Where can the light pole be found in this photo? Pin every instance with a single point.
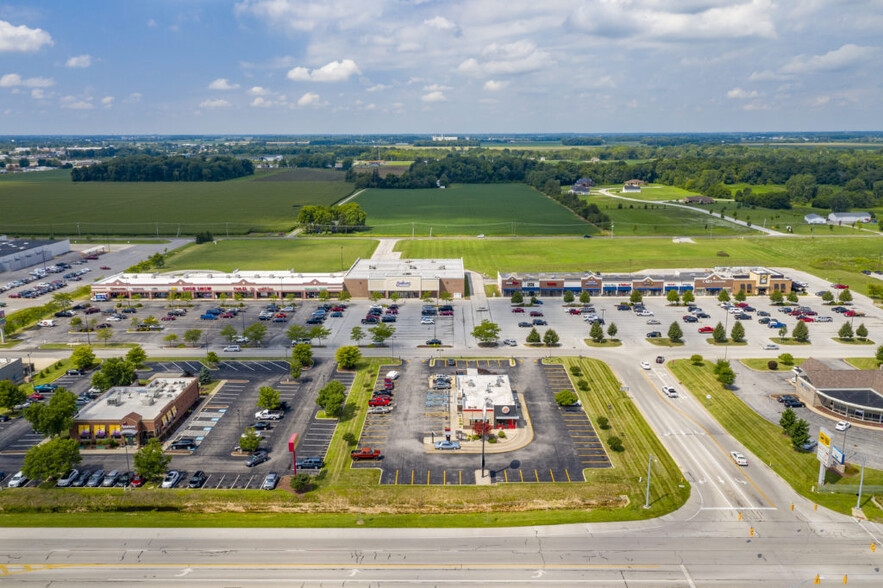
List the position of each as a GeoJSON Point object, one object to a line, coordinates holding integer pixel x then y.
{"type": "Point", "coordinates": [726, 335]}
{"type": "Point", "coordinates": [341, 258]}
{"type": "Point", "coordinates": [649, 473]}
{"type": "Point", "coordinates": [483, 432]}
{"type": "Point", "coordinates": [861, 484]}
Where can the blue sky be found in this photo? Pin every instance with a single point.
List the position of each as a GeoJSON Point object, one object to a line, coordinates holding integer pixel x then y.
{"type": "Point", "coordinates": [439, 66]}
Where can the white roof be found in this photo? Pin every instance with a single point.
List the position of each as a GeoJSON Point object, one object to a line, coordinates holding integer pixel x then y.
{"type": "Point", "coordinates": [148, 401]}
{"type": "Point", "coordinates": [258, 278]}
{"type": "Point", "coordinates": [849, 215]}
{"type": "Point", "coordinates": [425, 268]}
{"type": "Point", "coordinates": [475, 388]}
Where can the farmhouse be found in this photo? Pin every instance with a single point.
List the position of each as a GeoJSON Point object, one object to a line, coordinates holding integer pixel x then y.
{"type": "Point", "coordinates": [486, 396]}
{"type": "Point", "coordinates": [814, 219]}
{"type": "Point", "coordinates": [849, 217]}
{"type": "Point", "coordinates": [637, 183]}
{"type": "Point", "coordinates": [631, 188]}
{"type": "Point", "coordinates": [856, 394]}
{"type": "Point", "coordinates": [138, 412]}
{"type": "Point", "coordinates": [698, 200]}
{"type": "Point", "coordinates": [582, 186]}
{"type": "Point", "coordinates": [16, 254]}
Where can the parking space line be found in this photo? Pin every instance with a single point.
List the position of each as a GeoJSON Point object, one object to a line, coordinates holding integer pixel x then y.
{"type": "Point", "coordinates": [427, 476]}
{"type": "Point", "coordinates": [566, 473]}
{"type": "Point", "coordinates": [461, 477]}
{"type": "Point", "coordinates": [444, 477]}
{"type": "Point", "coordinates": [412, 477]}
{"type": "Point", "coordinates": [506, 475]}
{"type": "Point", "coordinates": [396, 483]}
{"type": "Point", "coordinates": [551, 474]}
{"type": "Point", "coordinates": [521, 473]}
{"type": "Point", "coordinates": [536, 475]}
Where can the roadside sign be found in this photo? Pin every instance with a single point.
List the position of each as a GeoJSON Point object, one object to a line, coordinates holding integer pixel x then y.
{"type": "Point", "coordinates": [823, 453]}
{"type": "Point", "coordinates": [2, 317]}
{"type": "Point", "coordinates": [837, 455]}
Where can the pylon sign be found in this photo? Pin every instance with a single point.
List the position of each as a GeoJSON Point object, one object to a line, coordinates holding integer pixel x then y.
{"type": "Point", "coordinates": [824, 450]}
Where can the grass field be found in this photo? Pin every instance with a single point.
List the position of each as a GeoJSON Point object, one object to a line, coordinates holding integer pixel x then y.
{"type": "Point", "coordinates": [47, 204]}
{"type": "Point", "coordinates": [658, 219]}
{"type": "Point", "coordinates": [768, 443]}
{"type": "Point", "coordinates": [780, 219]}
{"type": "Point", "coordinates": [654, 192]}
{"type": "Point", "coordinates": [761, 364]}
{"type": "Point", "coordinates": [304, 255]}
{"type": "Point", "coordinates": [473, 209]}
{"type": "Point", "coordinates": [834, 259]}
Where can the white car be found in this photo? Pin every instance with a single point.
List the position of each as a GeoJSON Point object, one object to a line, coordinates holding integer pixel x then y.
{"type": "Point", "coordinates": [241, 340]}
{"type": "Point", "coordinates": [842, 426]}
{"type": "Point", "coordinates": [427, 321]}
{"type": "Point", "coordinates": [770, 347]}
{"type": "Point", "coordinates": [18, 480]}
{"type": "Point", "coordinates": [392, 375]}
{"type": "Point", "coordinates": [232, 348]}
{"type": "Point", "coordinates": [653, 322]}
{"type": "Point", "coordinates": [113, 319]}
{"type": "Point", "coordinates": [645, 365]}
{"type": "Point", "coordinates": [670, 392]}
{"type": "Point", "coordinates": [288, 308]}
{"type": "Point", "coordinates": [171, 480]}
{"type": "Point", "coordinates": [824, 319]}
{"type": "Point", "coordinates": [645, 313]}
{"type": "Point", "coordinates": [510, 342]}
{"type": "Point", "coordinates": [739, 458]}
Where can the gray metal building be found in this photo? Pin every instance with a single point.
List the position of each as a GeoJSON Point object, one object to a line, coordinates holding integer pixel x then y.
{"type": "Point", "coordinates": [12, 369]}
{"type": "Point", "coordinates": [16, 254]}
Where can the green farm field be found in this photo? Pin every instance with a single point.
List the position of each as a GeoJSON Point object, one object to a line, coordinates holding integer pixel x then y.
{"type": "Point", "coordinates": [56, 205]}
{"type": "Point", "coordinates": [834, 258]}
{"type": "Point", "coordinates": [654, 218]}
{"type": "Point", "coordinates": [473, 209]}
{"type": "Point", "coordinates": [304, 255]}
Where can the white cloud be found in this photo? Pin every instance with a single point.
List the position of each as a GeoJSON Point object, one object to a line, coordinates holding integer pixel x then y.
{"type": "Point", "coordinates": [151, 23]}
{"type": "Point", "coordinates": [494, 85]}
{"type": "Point", "coordinates": [836, 60]}
{"type": "Point", "coordinates": [222, 84]}
{"type": "Point", "coordinates": [765, 76]}
{"type": "Point", "coordinates": [79, 61]}
{"type": "Point", "coordinates": [21, 38]}
{"type": "Point", "coordinates": [335, 71]}
{"type": "Point", "coordinates": [308, 99]}
{"type": "Point", "coordinates": [301, 16]}
{"type": "Point", "coordinates": [436, 88]}
{"type": "Point", "coordinates": [436, 96]}
{"type": "Point", "coordinates": [12, 80]}
{"type": "Point", "coordinates": [820, 101]}
{"type": "Point", "coordinates": [214, 104]}
{"type": "Point", "coordinates": [377, 88]}
{"type": "Point", "coordinates": [107, 101]}
{"type": "Point", "coordinates": [258, 91]}
{"type": "Point", "coordinates": [740, 94]}
{"type": "Point", "coordinates": [38, 94]}
{"type": "Point", "coordinates": [440, 23]}
{"type": "Point", "coordinates": [261, 102]}
{"type": "Point", "coordinates": [509, 58]}
{"type": "Point", "coordinates": [74, 103]}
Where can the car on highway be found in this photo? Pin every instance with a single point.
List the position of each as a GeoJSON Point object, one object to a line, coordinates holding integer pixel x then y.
{"type": "Point", "coordinates": [257, 458]}
{"type": "Point", "coordinates": [738, 458]}
{"type": "Point", "coordinates": [197, 480]}
{"type": "Point", "coordinates": [842, 425]}
{"type": "Point", "coordinates": [232, 348]}
{"type": "Point", "coordinates": [706, 330]}
{"type": "Point", "coordinates": [447, 444]}
{"type": "Point", "coordinates": [670, 392]}
{"type": "Point", "coordinates": [171, 480]}
{"type": "Point", "coordinates": [770, 347]}
{"type": "Point", "coordinates": [645, 365]}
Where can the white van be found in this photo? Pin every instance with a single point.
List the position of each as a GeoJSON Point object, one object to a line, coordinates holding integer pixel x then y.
{"type": "Point", "coordinates": [46, 323]}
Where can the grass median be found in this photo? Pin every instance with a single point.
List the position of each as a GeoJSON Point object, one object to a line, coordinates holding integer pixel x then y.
{"type": "Point", "coordinates": [767, 441]}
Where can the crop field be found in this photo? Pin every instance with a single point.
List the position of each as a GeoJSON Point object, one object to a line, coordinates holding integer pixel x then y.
{"type": "Point", "coordinates": [834, 258]}
{"type": "Point", "coordinates": [474, 209]}
{"type": "Point", "coordinates": [57, 206]}
{"type": "Point", "coordinates": [651, 218]}
{"type": "Point", "coordinates": [780, 220]}
{"type": "Point", "coordinates": [304, 255]}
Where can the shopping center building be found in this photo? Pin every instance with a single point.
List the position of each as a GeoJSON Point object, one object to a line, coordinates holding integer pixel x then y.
{"type": "Point", "coordinates": [854, 394]}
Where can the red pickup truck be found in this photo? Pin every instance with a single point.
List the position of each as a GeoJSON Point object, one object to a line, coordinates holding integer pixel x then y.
{"type": "Point", "coordinates": [365, 453]}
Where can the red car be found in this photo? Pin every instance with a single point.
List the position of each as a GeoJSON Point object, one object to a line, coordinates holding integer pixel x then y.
{"type": "Point", "coordinates": [278, 315]}
{"type": "Point", "coordinates": [849, 313]}
{"type": "Point", "coordinates": [536, 313]}
{"type": "Point", "coordinates": [518, 309]}
{"type": "Point", "coordinates": [807, 319]}
{"type": "Point", "coordinates": [230, 315]}
{"type": "Point", "coordinates": [338, 308]}
{"type": "Point", "coordinates": [365, 453]}
{"type": "Point", "coordinates": [35, 396]}
{"type": "Point", "coordinates": [706, 330]}
{"type": "Point", "coordinates": [105, 267]}
{"type": "Point", "coordinates": [378, 401]}
{"type": "Point", "coordinates": [840, 286]}
{"type": "Point", "coordinates": [167, 318]}
{"type": "Point", "coordinates": [138, 481]}
{"type": "Point", "coordinates": [741, 304]}
{"type": "Point", "coordinates": [446, 313]}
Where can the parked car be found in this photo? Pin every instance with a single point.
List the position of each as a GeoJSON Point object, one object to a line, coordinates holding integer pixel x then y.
{"type": "Point", "coordinates": [842, 426]}
{"type": "Point", "coordinates": [95, 479]}
{"type": "Point", "coordinates": [125, 479]}
{"type": "Point", "coordinates": [171, 480]}
{"type": "Point", "coordinates": [689, 318]}
{"type": "Point", "coordinates": [518, 309]}
{"type": "Point", "coordinates": [185, 443]}
{"type": "Point", "coordinates": [46, 388]}
{"type": "Point", "coordinates": [310, 463]}
{"type": "Point", "coordinates": [392, 375]}
{"type": "Point", "coordinates": [654, 322]}
{"type": "Point", "coordinates": [510, 342]}
{"type": "Point", "coordinates": [138, 481]}
{"type": "Point", "coordinates": [197, 480]}
{"type": "Point", "coordinates": [378, 401]}
{"type": "Point", "coordinates": [654, 334]}
{"type": "Point", "coordinates": [539, 322]}
{"type": "Point", "coordinates": [365, 453]}
{"type": "Point", "coordinates": [17, 481]}
{"type": "Point", "coordinates": [433, 342]}
{"type": "Point", "coordinates": [738, 458]}
{"type": "Point", "coordinates": [67, 479]}
{"type": "Point", "coordinates": [75, 372]}
{"type": "Point", "coordinates": [447, 444]}
{"type": "Point", "coordinates": [795, 403]}
{"type": "Point", "coordinates": [525, 324]}
{"type": "Point", "coordinates": [81, 479]}
{"type": "Point", "coordinates": [270, 481]}
{"type": "Point", "coordinates": [706, 330]}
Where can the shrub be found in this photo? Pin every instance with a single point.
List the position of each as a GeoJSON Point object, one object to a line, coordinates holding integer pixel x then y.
{"type": "Point", "coordinates": [566, 398]}
{"type": "Point", "coordinates": [301, 482]}
{"type": "Point", "coordinates": [582, 385]}
{"type": "Point", "coordinates": [771, 364]}
{"type": "Point", "coordinates": [722, 254]}
{"type": "Point", "coordinates": [696, 359]}
{"type": "Point", "coordinates": [575, 370]}
{"type": "Point", "coordinates": [786, 359]}
{"type": "Point", "coordinates": [615, 443]}
{"type": "Point", "coordinates": [491, 439]}
{"type": "Point", "coordinates": [350, 438]}
{"type": "Point", "coordinates": [603, 423]}
{"type": "Point", "coordinates": [501, 434]}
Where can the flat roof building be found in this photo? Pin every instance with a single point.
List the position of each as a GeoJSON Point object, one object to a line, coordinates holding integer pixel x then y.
{"type": "Point", "coordinates": [850, 217]}
{"type": "Point", "coordinates": [814, 219]}
{"type": "Point", "coordinates": [476, 391]}
{"type": "Point", "coordinates": [16, 254]}
{"type": "Point", "coordinates": [140, 412]}
{"type": "Point", "coordinates": [409, 278]}
{"type": "Point", "coordinates": [12, 369]}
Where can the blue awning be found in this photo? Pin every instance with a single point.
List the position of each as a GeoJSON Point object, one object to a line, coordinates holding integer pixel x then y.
{"type": "Point", "coordinates": [610, 287]}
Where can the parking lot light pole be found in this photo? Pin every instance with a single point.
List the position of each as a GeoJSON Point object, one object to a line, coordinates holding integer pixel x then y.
{"type": "Point", "coordinates": [861, 483]}
{"type": "Point", "coordinates": [649, 472]}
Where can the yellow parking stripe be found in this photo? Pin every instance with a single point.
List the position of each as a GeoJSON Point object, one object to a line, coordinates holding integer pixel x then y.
{"type": "Point", "coordinates": [551, 474]}
{"type": "Point", "coordinates": [566, 473]}
{"type": "Point", "coordinates": [397, 478]}
{"type": "Point", "coordinates": [506, 475]}
{"type": "Point", "coordinates": [521, 474]}
{"type": "Point", "coordinates": [536, 475]}
{"type": "Point", "coordinates": [412, 477]}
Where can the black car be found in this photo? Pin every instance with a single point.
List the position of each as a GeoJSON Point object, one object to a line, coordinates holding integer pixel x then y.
{"type": "Point", "coordinates": [186, 443]}
{"type": "Point", "coordinates": [525, 324]}
{"type": "Point", "coordinates": [318, 321]}
{"type": "Point", "coordinates": [623, 307]}
{"type": "Point", "coordinates": [75, 372]}
{"type": "Point", "coordinates": [794, 403]}
{"type": "Point", "coordinates": [762, 313]}
{"type": "Point", "coordinates": [742, 317]}
{"type": "Point", "coordinates": [124, 479]}
{"type": "Point", "coordinates": [128, 310]}
{"type": "Point", "coordinates": [451, 362]}
{"type": "Point", "coordinates": [389, 318]}
{"type": "Point", "coordinates": [689, 318]}
{"type": "Point", "coordinates": [310, 463]}
{"type": "Point", "coordinates": [256, 458]}
{"type": "Point", "coordinates": [654, 335]}
{"type": "Point", "coordinates": [539, 322]}
{"type": "Point", "coordinates": [197, 479]}
{"type": "Point", "coordinates": [261, 426]}
{"type": "Point", "coordinates": [63, 314]}
{"type": "Point", "coordinates": [764, 320]}
{"type": "Point", "coordinates": [434, 342]}
{"type": "Point", "coordinates": [81, 306]}
{"type": "Point", "coordinates": [703, 315]}
{"type": "Point", "coordinates": [785, 397]}
{"type": "Point", "coordinates": [368, 320]}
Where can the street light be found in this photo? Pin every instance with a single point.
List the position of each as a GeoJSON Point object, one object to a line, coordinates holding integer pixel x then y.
{"type": "Point", "coordinates": [484, 429]}
{"type": "Point", "coordinates": [649, 473]}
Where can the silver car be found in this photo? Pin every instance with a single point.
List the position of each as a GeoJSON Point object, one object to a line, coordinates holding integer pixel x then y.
{"type": "Point", "coordinates": [270, 481]}
{"type": "Point", "coordinates": [66, 480]}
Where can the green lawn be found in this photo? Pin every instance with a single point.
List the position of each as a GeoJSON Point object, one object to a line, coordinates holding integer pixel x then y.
{"type": "Point", "coordinates": [632, 218]}
{"type": "Point", "coordinates": [761, 364]}
{"type": "Point", "coordinates": [469, 209]}
{"type": "Point", "coordinates": [834, 259]}
{"type": "Point", "coordinates": [766, 441]}
{"type": "Point", "coordinates": [250, 204]}
{"type": "Point", "coordinates": [306, 255]}
{"type": "Point", "coordinates": [863, 363]}
{"type": "Point", "coordinates": [655, 192]}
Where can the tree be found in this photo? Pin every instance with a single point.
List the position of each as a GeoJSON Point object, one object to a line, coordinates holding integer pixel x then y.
{"type": "Point", "coordinates": [105, 335]}
{"type": "Point", "coordinates": [550, 338]}
{"type": "Point", "coordinates": [533, 336]}
{"type": "Point", "coordinates": [737, 333]}
{"type": "Point", "coordinates": [171, 339]}
{"type": "Point", "coordinates": [375, 296]}
{"type": "Point", "coordinates": [568, 297]}
{"type": "Point", "coordinates": [348, 357]}
{"type": "Point", "coordinates": [268, 398]}
{"type": "Point", "coordinates": [879, 354]}
{"type": "Point", "coordinates": [319, 332]}
{"type": "Point", "coordinates": [331, 398]}
{"type": "Point", "coordinates": [615, 443]}
{"type": "Point", "coordinates": [566, 398]}
{"type": "Point", "coordinates": [229, 332]}
{"type": "Point", "coordinates": [786, 359]}
{"type": "Point", "coordinates": [51, 459]}
{"type": "Point", "coordinates": [446, 296]}
{"type": "Point", "coordinates": [793, 297]}
{"type": "Point", "coordinates": [249, 441]}
{"type": "Point", "coordinates": [673, 297]}
{"type": "Point", "coordinates": [800, 332]}
{"type": "Point", "coordinates": [801, 187]}
{"type": "Point", "coordinates": [783, 331]}
{"type": "Point", "coordinates": [636, 297]}
{"type": "Point", "coordinates": [799, 433]}
{"type": "Point", "coordinates": [719, 334]}
{"type": "Point", "coordinates": [845, 331]}
{"type": "Point", "coordinates": [776, 297]}
{"type": "Point", "coordinates": [724, 373]}
{"type": "Point", "coordinates": [827, 296]}
{"type": "Point", "coordinates": [357, 334]}
{"type": "Point", "coordinates": [11, 395]}
{"type": "Point", "coordinates": [324, 295]}
{"type": "Point", "coordinates": [596, 332]}
{"type": "Point", "coordinates": [585, 297]}
{"type": "Point", "coordinates": [83, 358]}
{"type": "Point", "coordinates": [517, 298]}
{"type": "Point", "coordinates": [55, 416]}
{"type": "Point", "coordinates": [426, 297]}
{"type": "Point", "coordinates": [256, 332]}
{"type": "Point", "coordinates": [296, 332]}
{"type": "Point", "coordinates": [114, 371]}
{"type": "Point", "coordinates": [688, 297]}
{"type": "Point", "coordinates": [302, 354]}
{"type": "Point", "coordinates": [136, 356]}
{"type": "Point", "coordinates": [381, 332]}
{"type": "Point", "coordinates": [696, 359]}
{"type": "Point", "coordinates": [862, 332]}
{"type": "Point", "coordinates": [205, 376]}
{"type": "Point", "coordinates": [845, 295]}
{"type": "Point", "coordinates": [788, 419]}
{"type": "Point", "coordinates": [603, 422]}
{"type": "Point", "coordinates": [486, 332]}
{"type": "Point", "coordinates": [192, 336]}
{"type": "Point", "coordinates": [212, 358]}
{"type": "Point", "coordinates": [740, 296]}
{"type": "Point", "coordinates": [301, 482]}
{"type": "Point", "coordinates": [63, 299]}
{"type": "Point", "coordinates": [295, 370]}
{"type": "Point", "coordinates": [723, 296]}
{"type": "Point", "coordinates": [675, 334]}
{"type": "Point", "coordinates": [481, 428]}
{"type": "Point", "coordinates": [612, 330]}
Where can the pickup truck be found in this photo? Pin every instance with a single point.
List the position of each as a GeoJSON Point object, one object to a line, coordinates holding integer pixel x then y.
{"type": "Point", "coordinates": [269, 415]}
{"type": "Point", "coordinates": [365, 453]}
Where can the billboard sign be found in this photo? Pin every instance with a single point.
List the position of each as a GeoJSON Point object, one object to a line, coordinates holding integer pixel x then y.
{"type": "Point", "coordinates": [2, 317]}
{"type": "Point", "coordinates": [824, 449]}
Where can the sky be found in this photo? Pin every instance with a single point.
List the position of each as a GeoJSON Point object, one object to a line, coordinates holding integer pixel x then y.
{"type": "Point", "coordinates": [439, 66]}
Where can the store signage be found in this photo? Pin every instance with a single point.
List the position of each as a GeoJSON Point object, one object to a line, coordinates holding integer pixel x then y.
{"type": "Point", "coordinates": [403, 284]}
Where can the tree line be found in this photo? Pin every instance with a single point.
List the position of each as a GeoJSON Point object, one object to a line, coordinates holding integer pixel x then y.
{"type": "Point", "coordinates": [332, 219]}
{"type": "Point", "coordinates": [145, 168]}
